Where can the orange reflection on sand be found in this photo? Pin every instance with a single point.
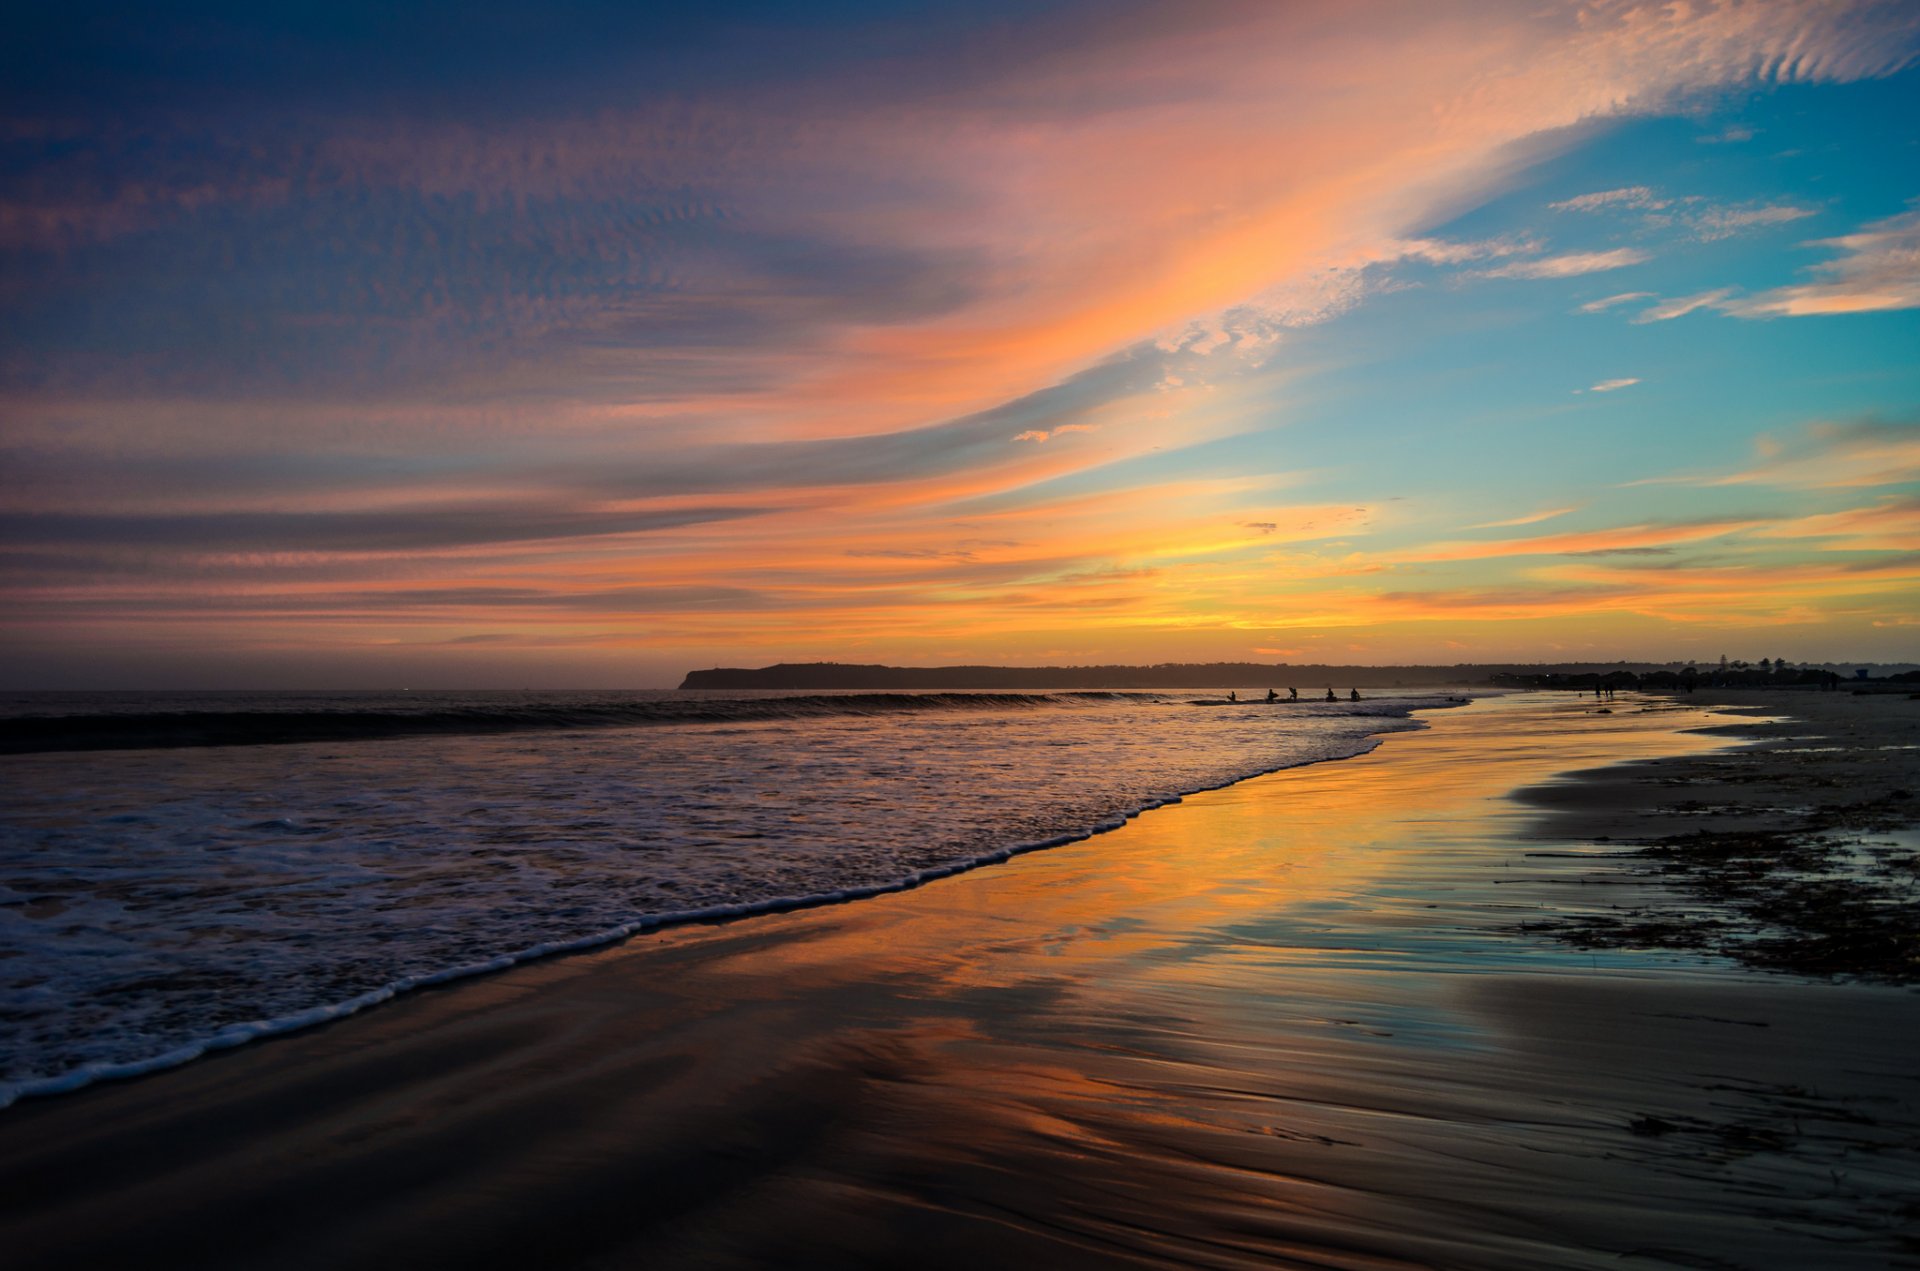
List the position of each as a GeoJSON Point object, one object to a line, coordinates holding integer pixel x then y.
{"type": "Point", "coordinates": [1198, 1013]}
{"type": "Point", "coordinates": [1174, 894]}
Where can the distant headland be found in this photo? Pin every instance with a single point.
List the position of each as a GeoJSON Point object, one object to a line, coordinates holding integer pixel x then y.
{"type": "Point", "coordinates": [818, 676]}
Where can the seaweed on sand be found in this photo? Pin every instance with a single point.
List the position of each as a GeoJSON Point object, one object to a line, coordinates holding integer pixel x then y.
{"type": "Point", "coordinates": [1820, 898]}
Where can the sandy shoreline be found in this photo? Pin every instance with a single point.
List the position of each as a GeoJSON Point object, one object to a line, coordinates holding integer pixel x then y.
{"type": "Point", "coordinates": [1795, 852]}
{"type": "Point", "coordinates": [1287, 1023]}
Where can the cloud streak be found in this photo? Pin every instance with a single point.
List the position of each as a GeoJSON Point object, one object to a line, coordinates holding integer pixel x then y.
{"type": "Point", "coordinates": [1680, 307]}
{"type": "Point", "coordinates": [1637, 197]}
{"type": "Point", "coordinates": [1571, 264]}
{"type": "Point", "coordinates": [1531, 518]}
{"type": "Point", "coordinates": [1878, 269]}
{"type": "Point", "coordinates": [1608, 302]}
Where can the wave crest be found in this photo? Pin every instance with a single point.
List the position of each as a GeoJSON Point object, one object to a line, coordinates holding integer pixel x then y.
{"type": "Point", "coordinates": [160, 730]}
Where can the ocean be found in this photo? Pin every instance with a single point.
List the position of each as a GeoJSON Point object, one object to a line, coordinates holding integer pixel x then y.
{"type": "Point", "coordinates": [181, 872]}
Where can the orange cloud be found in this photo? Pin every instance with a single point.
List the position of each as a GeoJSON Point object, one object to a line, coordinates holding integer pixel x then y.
{"type": "Point", "coordinates": [1890, 526]}
{"type": "Point", "coordinates": [1531, 518]}
{"type": "Point", "coordinates": [1826, 456]}
{"type": "Point", "coordinates": [1586, 542]}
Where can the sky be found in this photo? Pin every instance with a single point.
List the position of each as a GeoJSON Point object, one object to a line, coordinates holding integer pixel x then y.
{"type": "Point", "coordinates": [582, 344]}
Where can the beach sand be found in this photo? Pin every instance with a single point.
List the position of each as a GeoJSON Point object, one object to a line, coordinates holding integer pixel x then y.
{"type": "Point", "coordinates": [1291, 1023]}
{"type": "Point", "coordinates": [1795, 852]}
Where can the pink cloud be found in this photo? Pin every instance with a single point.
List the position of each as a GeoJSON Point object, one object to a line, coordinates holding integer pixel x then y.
{"type": "Point", "coordinates": [1571, 264]}
{"type": "Point", "coordinates": [1879, 269]}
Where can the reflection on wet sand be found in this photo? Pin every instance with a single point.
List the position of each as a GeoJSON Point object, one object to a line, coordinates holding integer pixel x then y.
{"type": "Point", "coordinates": [1283, 1024]}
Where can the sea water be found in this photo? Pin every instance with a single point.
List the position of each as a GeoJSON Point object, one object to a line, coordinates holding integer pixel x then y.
{"type": "Point", "coordinates": [163, 898]}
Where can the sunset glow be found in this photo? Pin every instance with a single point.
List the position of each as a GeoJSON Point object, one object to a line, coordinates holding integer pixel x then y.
{"type": "Point", "coordinates": [482, 348]}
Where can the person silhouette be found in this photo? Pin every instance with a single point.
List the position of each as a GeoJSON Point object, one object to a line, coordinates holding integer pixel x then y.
{"type": "Point", "coordinates": [1330, 696]}
{"type": "Point", "coordinates": [1272, 696]}
{"type": "Point", "coordinates": [1232, 696]}
{"type": "Point", "coordinates": [1293, 695]}
{"type": "Point", "coordinates": [1353, 694]}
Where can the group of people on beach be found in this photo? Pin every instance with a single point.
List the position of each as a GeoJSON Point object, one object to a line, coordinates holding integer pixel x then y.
{"type": "Point", "coordinates": [1293, 695]}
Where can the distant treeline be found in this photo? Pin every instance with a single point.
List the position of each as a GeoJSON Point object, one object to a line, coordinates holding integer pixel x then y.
{"type": "Point", "coordinates": [819, 676]}
{"type": "Point", "coordinates": [1690, 677]}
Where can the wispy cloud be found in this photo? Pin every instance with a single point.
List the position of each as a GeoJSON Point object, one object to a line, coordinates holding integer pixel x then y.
{"type": "Point", "coordinates": [1590, 542]}
{"type": "Point", "coordinates": [1532, 518]}
{"type": "Point", "coordinates": [1571, 264]}
{"type": "Point", "coordinates": [1695, 217]}
{"type": "Point", "coordinates": [1879, 269]}
{"type": "Point", "coordinates": [1608, 302]}
{"type": "Point", "coordinates": [1891, 525]}
{"type": "Point", "coordinates": [1667, 310]}
{"type": "Point", "coordinates": [1632, 196]}
{"type": "Point", "coordinates": [1442, 252]}
{"type": "Point", "coordinates": [1825, 456]}
{"type": "Point", "coordinates": [1715, 223]}
{"type": "Point", "coordinates": [1047, 434]}
{"type": "Point", "coordinates": [1608, 386]}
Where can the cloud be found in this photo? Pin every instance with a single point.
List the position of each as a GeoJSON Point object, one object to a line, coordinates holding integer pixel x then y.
{"type": "Point", "coordinates": [1838, 456]}
{"type": "Point", "coordinates": [1608, 386]}
{"type": "Point", "coordinates": [1345, 280]}
{"type": "Point", "coordinates": [1823, 456]}
{"type": "Point", "coordinates": [1715, 223]}
{"type": "Point", "coordinates": [1624, 551]}
{"type": "Point", "coordinates": [1045, 434]}
{"type": "Point", "coordinates": [1702, 221]}
{"type": "Point", "coordinates": [1730, 135]}
{"type": "Point", "coordinates": [1879, 270]}
{"type": "Point", "coordinates": [1632, 196]}
{"type": "Point", "coordinates": [1533, 518]}
{"type": "Point", "coordinates": [1570, 265]}
{"type": "Point", "coordinates": [1607, 302]}
{"type": "Point", "coordinates": [1891, 525]}
{"type": "Point", "coordinates": [1589, 542]}
{"type": "Point", "coordinates": [589, 234]}
{"type": "Point", "coordinates": [1667, 310]}
{"type": "Point", "coordinates": [410, 530]}
{"type": "Point", "coordinates": [1436, 251]}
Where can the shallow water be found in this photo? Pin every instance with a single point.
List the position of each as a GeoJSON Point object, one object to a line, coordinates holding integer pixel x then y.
{"type": "Point", "coordinates": [157, 901]}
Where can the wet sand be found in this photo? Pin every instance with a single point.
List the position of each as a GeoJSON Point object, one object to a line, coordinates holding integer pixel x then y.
{"type": "Point", "coordinates": [1799, 851]}
{"type": "Point", "coordinates": [1289, 1023]}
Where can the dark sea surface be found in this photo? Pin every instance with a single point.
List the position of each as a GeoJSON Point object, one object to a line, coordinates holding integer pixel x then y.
{"type": "Point", "coordinates": [181, 872]}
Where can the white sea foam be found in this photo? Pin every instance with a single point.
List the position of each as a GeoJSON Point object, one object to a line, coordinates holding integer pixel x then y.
{"type": "Point", "coordinates": [158, 905]}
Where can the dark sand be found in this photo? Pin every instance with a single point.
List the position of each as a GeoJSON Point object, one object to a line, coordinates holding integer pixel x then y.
{"type": "Point", "coordinates": [1285, 1024]}
{"type": "Point", "coordinates": [1795, 853]}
